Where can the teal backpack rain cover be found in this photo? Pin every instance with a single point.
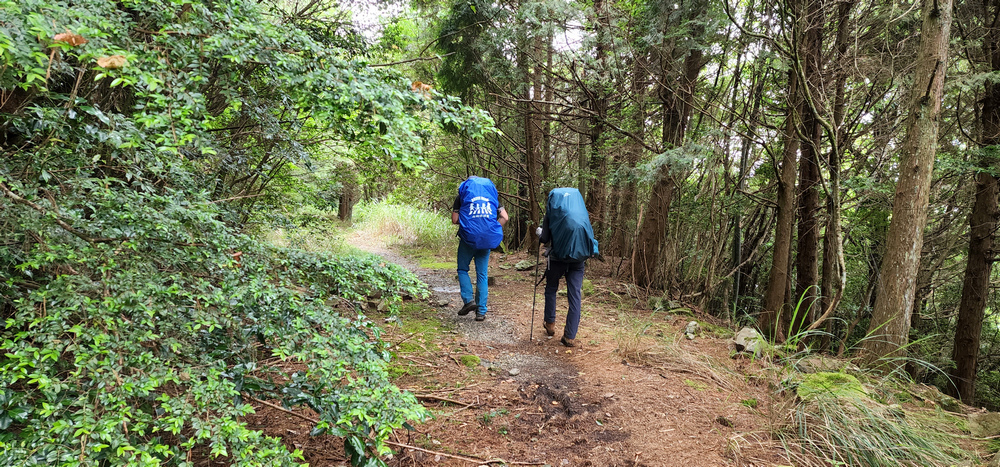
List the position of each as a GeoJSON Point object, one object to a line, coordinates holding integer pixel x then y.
{"type": "Point", "coordinates": [477, 218]}
{"type": "Point", "coordinates": [569, 226]}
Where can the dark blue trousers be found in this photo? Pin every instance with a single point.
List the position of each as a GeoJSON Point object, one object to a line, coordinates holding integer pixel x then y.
{"type": "Point", "coordinates": [574, 285]}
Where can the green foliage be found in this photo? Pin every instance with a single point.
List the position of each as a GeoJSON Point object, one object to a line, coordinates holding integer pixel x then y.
{"type": "Point", "coordinates": [136, 138]}
{"type": "Point", "coordinates": [140, 364]}
{"type": "Point", "coordinates": [487, 417]}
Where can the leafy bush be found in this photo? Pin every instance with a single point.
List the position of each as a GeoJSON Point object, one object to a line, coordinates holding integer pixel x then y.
{"type": "Point", "coordinates": [145, 365]}
{"type": "Point", "coordinates": [135, 138]}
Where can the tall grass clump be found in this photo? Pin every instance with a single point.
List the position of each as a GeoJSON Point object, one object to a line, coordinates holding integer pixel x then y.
{"type": "Point", "coordinates": [840, 414]}
{"type": "Point", "coordinates": [404, 225]}
{"type": "Point", "coordinates": [828, 430]}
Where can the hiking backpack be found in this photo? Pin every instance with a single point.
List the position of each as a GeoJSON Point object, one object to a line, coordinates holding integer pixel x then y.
{"type": "Point", "coordinates": [477, 217]}
{"type": "Point", "coordinates": [569, 226]}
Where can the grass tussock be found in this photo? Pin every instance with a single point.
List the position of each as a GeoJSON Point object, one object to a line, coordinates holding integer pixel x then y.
{"type": "Point", "coordinates": [310, 240]}
{"type": "Point", "coordinates": [837, 431]}
{"type": "Point", "coordinates": [402, 225]}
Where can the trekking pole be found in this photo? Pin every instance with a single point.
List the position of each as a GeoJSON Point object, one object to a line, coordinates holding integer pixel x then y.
{"type": "Point", "coordinates": [534, 295]}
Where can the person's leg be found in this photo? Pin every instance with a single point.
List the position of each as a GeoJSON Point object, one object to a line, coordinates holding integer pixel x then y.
{"type": "Point", "coordinates": [574, 287]}
{"type": "Point", "coordinates": [465, 254]}
{"type": "Point", "coordinates": [552, 274]}
{"type": "Point", "coordinates": [482, 278]}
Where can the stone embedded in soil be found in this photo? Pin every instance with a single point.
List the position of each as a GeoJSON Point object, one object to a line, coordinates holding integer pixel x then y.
{"type": "Point", "coordinates": [748, 341]}
{"type": "Point", "coordinates": [514, 371]}
{"type": "Point", "coordinates": [984, 425]}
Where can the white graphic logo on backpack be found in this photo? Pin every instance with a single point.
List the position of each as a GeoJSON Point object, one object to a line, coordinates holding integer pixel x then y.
{"type": "Point", "coordinates": [480, 207]}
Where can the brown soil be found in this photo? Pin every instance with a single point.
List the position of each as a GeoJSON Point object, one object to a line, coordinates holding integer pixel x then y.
{"type": "Point", "coordinates": [634, 392]}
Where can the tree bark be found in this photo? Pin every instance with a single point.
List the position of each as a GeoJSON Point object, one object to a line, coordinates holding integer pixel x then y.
{"type": "Point", "coordinates": [778, 280]}
{"type": "Point", "coordinates": [627, 200]}
{"type": "Point", "coordinates": [890, 325]}
{"type": "Point", "coordinates": [982, 225]}
{"type": "Point", "coordinates": [676, 113]}
{"type": "Point", "coordinates": [348, 198]}
{"type": "Point", "coordinates": [807, 258]}
{"type": "Point", "coordinates": [833, 269]}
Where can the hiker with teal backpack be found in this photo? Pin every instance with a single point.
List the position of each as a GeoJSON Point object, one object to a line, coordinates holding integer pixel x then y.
{"type": "Point", "coordinates": [567, 227]}
{"type": "Point", "coordinates": [480, 219]}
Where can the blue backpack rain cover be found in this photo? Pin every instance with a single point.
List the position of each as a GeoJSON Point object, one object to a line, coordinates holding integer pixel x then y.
{"type": "Point", "coordinates": [569, 226]}
{"type": "Point", "coordinates": [477, 218]}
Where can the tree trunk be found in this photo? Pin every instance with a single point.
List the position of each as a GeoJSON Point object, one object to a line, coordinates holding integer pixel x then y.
{"type": "Point", "coordinates": [348, 198]}
{"type": "Point", "coordinates": [982, 225]}
{"type": "Point", "coordinates": [807, 258]}
{"type": "Point", "coordinates": [834, 273]}
{"type": "Point", "coordinates": [890, 325]}
{"type": "Point", "coordinates": [633, 154]}
{"type": "Point", "coordinates": [596, 191]}
{"type": "Point", "coordinates": [535, 139]}
{"type": "Point", "coordinates": [778, 282]}
{"type": "Point", "coordinates": [741, 277]}
{"type": "Point", "coordinates": [676, 112]}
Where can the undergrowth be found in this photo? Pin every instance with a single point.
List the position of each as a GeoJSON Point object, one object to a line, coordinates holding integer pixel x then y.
{"type": "Point", "coordinates": [850, 431]}
{"type": "Point", "coordinates": [140, 365]}
{"type": "Point", "coordinates": [407, 226]}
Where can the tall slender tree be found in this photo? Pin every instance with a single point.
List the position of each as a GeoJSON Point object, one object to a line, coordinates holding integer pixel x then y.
{"type": "Point", "coordinates": [680, 64]}
{"type": "Point", "coordinates": [983, 220]}
{"type": "Point", "coordinates": [890, 324]}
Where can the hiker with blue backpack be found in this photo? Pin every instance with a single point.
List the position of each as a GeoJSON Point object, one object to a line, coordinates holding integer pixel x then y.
{"type": "Point", "coordinates": [567, 227]}
{"type": "Point", "coordinates": [480, 219]}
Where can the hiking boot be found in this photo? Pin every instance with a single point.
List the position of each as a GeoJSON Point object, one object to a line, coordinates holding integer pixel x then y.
{"type": "Point", "coordinates": [480, 317]}
{"type": "Point", "coordinates": [550, 328]}
{"type": "Point", "coordinates": [467, 308]}
{"type": "Point", "coordinates": [568, 342]}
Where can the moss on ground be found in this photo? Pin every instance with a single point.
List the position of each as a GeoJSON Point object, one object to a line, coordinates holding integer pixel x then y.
{"type": "Point", "coordinates": [839, 385]}
{"type": "Point", "coordinates": [470, 361]}
{"type": "Point", "coordinates": [437, 265]}
{"type": "Point", "coordinates": [715, 331]}
{"type": "Point", "coordinates": [419, 332]}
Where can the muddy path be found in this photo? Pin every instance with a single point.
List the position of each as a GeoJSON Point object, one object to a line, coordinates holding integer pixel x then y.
{"type": "Point", "coordinates": [535, 402]}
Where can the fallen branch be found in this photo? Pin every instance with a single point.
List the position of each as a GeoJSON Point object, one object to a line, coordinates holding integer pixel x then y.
{"type": "Point", "coordinates": [463, 458]}
{"type": "Point", "coordinates": [19, 200]}
{"type": "Point", "coordinates": [442, 399]}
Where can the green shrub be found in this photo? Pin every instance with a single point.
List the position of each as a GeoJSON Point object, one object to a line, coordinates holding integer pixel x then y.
{"type": "Point", "coordinates": [145, 363]}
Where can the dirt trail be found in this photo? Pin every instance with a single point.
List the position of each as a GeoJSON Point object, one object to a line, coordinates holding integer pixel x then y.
{"type": "Point", "coordinates": [539, 403]}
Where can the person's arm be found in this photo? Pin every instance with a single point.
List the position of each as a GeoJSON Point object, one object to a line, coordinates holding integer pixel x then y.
{"type": "Point", "coordinates": [454, 217]}
{"type": "Point", "coordinates": [545, 236]}
{"type": "Point", "coordinates": [502, 216]}
{"type": "Point", "coordinates": [454, 210]}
